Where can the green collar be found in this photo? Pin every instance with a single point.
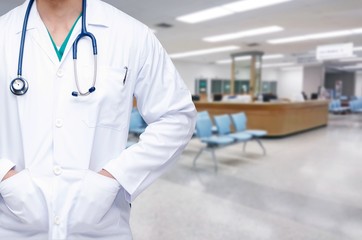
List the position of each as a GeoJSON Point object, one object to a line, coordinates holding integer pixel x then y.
{"type": "Point", "coordinates": [61, 50]}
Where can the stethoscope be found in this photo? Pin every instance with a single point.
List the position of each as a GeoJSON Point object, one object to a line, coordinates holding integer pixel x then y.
{"type": "Point", "coordinates": [19, 86]}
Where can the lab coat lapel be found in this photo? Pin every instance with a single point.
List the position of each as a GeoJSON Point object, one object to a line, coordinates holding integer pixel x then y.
{"type": "Point", "coordinates": [37, 30]}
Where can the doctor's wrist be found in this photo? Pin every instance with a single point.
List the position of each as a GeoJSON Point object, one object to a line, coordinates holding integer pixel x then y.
{"type": "Point", "coordinates": [106, 174]}
{"type": "Point", "coordinates": [9, 174]}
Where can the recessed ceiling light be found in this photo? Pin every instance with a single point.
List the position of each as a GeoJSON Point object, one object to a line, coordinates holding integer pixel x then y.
{"type": "Point", "coordinates": [352, 67]}
{"type": "Point", "coordinates": [247, 5]}
{"type": "Point", "coordinates": [317, 36]}
{"type": "Point", "coordinates": [247, 58]}
{"type": "Point", "coordinates": [204, 15]}
{"type": "Point", "coordinates": [227, 9]}
{"type": "Point", "coordinates": [243, 34]}
{"type": "Point", "coordinates": [276, 65]}
{"type": "Point", "coordinates": [354, 59]}
{"type": "Point", "coordinates": [238, 59]}
{"type": "Point", "coordinates": [203, 52]}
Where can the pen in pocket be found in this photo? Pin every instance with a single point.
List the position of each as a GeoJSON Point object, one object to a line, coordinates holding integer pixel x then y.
{"type": "Point", "coordinates": [125, 75]}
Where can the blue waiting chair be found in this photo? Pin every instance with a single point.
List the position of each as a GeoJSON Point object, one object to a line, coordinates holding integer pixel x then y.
{"type": "Point", "coordinates": [204, 133]}
{"type": "Point", "coordinates": [137, 124]}
{"type": "Point", "coordinates": [223, 125]}
{"type": "Point", "coordinates": [356, 106]}
{"type": "Point", "coordinates": [205, 114]}
{"type": "Point", "coordinates": [240, 123]}
{"type": "Point", "coordinates": [335, 106]}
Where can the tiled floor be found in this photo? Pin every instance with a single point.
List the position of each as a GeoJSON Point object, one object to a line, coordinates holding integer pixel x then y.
{"type": "Point", "coordinates": [308, 187]}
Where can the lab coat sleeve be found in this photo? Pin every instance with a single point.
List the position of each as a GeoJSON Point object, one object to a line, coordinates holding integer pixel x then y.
{"type": "Point", "coordinates": [5, 166]}
{"type": "Point", "coordinates": [165, 104]}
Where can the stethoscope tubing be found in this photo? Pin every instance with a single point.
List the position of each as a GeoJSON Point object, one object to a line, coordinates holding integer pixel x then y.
{"type": "Point", "coordinates": [84, 33]}
{"type": "Point", "coordinates": [22, 42]}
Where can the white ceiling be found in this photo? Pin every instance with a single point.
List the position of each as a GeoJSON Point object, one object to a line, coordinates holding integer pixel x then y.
{"type": "Point", "coordinates": [298, 17]}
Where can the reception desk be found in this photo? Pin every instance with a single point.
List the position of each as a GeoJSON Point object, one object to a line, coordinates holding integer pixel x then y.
{"type": "Point", "coordinates": [279, 119]}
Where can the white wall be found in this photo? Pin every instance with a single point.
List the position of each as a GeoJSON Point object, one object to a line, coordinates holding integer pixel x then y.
{"type": "Point", "coordinates": [358, 85]}
{"type": "Point", "coordinates": [270, 74]}
{"type": "Point", "coordinates": [190, 71]}
{"type": "Point", "coordinates": [290, 84]}
{"type": "Point", "coordinates": [313, 77]}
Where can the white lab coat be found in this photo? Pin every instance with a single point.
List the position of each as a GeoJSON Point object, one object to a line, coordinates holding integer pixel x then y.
{"type": "Point", "coordinates": [58, 142]}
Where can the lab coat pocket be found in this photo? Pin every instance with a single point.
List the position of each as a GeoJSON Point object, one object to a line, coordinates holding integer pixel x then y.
{"type": "Point", "coordinates": [25, 200]}
{"type": "Point", "coordinates": [106, 106]}
{"type": "Point", "coordinates": [95, 198]}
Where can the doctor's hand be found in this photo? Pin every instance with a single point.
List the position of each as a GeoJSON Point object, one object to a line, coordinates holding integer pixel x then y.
{"type": "Point", "coordinates": [106, 173]}
{"type": "Point", "coordinates": [9, 174]}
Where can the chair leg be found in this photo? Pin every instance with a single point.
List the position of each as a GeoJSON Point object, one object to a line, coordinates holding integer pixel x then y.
{"type": "Point", "coordinates": [197, 156]}
{"type": "Point", "coordinates": [214, 159]}
{"type": "Point", "coordinates": [261, 145]}
{"type": "Point", "coordinates": [244, 147]}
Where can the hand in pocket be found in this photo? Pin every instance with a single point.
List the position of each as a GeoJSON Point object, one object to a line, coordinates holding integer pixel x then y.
{"type": "Point", "coordinates": [95, 198]}
{"type": "Point", "coordinates": [25, 200]}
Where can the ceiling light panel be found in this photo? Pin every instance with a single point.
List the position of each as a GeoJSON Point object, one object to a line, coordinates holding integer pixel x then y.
{"type": "Point", "coordinates": [247, 58]}
{"type": "Point", "coordinates": [276, 65]}
{"type": "Point", "coordinates": [203, 52]}
{"type": "Point", "coordinates": [352, 67]}
{"type": "Point", "coordinates": [247, 5]}
{"type": "Point", "coordinates": [204, 15]}
{"type": "Point", "coordinates": [355, 59]}
{"type": "Point", "coordinates": [243, 34]}
{"type": "Point", "coordinates": [227, 9]}
{"type": "Point", "coordinates": [317, 36]}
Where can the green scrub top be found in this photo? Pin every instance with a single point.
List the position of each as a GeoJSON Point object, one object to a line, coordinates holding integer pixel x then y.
{"type": "Point", "coordinates": [61, 50]}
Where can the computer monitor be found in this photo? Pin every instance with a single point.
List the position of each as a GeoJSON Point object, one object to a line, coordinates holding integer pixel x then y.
{"type": "Point", "coordinates": [217, 97]}
{"type": "Point", "coordinates": [195, 98]}
{"type": "Point", "coordinates": [269, 96]}
{"type": "Point", "coordinates": [314, 96]}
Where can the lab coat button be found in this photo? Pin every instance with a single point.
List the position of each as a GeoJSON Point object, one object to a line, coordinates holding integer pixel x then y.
{"type": "Point", "coordinates": [59, 123]}
{"type": "Point", "coordinates": [57, 170]}
{"type": "Point", "coordinates": [60, 73]}
{"type": "Point", "coordinates": [57, 220]}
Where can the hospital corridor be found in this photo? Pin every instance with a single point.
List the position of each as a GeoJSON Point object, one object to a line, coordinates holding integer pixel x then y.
{"type": "Point", "coordinates": [307, 187]}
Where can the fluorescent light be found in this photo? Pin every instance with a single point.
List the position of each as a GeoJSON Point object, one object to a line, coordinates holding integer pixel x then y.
{"type": "Point", "coordinates": [238, 59]}
{"type": "Point", "coordinates": [247, 58]}
{"type": "Point", "coordinates": [276, 65]}
{"type": "Point", "coordinates": [317, 36]}
{"type": "Point", "coordinates": [356, 49]}
{"type": "Point", "coordinates": [204, 15]}
{"type": "Point", "coordinates": [243, 34]}
{"type": "Point", "coordinates": [352, 67]}
{"type": "Point", "coordinates": [355, 59]}
{"type": "Point", "coordinates": [227, 9]}
{"type": "Point", "coordinates": [273, 56]}
{"type": "Point", "coordinates": [247, 5]}
{"type": "Point", "coordinates": [203, 52]}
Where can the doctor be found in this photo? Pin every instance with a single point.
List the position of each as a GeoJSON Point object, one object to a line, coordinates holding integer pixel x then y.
{"type": "Point", "coordinates": [65, 114]}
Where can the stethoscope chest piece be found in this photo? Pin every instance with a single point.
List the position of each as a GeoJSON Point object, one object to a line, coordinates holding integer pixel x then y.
{"type": "Point", "coordinates": [19, 86]}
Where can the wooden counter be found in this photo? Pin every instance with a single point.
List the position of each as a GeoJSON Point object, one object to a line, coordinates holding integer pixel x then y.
{"type": "Point", "coordinates": [279, 119]}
